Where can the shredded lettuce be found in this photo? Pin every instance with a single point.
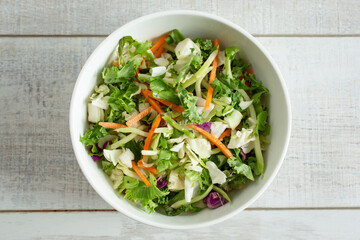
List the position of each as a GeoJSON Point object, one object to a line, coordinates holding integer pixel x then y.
{"type": "Point", "coordinates": [189, 103]}
{"type": "Point", "coordinates": [217, 176]}
{"type": "Point", "coordinates": [188, 167]}
{"type": "Point", "coordinates": [176, 181]}
{"type": "Point", "coordinates": [127, 73]}
{"type": "Point", "coordinates": [146, 195]}
{"type": "Point", "coordinates": [163, 91]}
{"type": "Point", "coordinates": [230, 55]}
{"type": "Point", "coordinates": [122, 42]}
{"type": "Point", "coordinates": [166, 160]}
{"type": "Point", "coordinates": [93, 136]}
{"type": "Point", "coordinates": [200, 146]}
{"type": "Point", "coordinates": [121, 99]}
{"type": "Point", "coordinates": [233, 119]}
{"type": "Point", "coordinates": [240, 167]}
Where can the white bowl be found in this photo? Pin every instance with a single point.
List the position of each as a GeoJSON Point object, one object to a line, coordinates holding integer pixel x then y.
{"type": "Point", "coordinates": [192, 24]}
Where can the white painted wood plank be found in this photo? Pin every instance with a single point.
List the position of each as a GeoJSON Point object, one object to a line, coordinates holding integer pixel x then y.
{"type": "Point", "coordinates": [283, 224]}
{"type": "Point", "coordinates": [322, 162]}
{"type": "Point", "coordinates": [103, 17]}
{"type": "Point", "coordinates": [38, 169]}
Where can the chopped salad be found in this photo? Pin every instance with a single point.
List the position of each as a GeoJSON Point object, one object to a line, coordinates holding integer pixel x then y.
{"type": "Point", "coordinates": [178, 124]}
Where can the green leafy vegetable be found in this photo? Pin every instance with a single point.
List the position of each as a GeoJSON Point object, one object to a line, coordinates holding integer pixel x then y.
{"type": "Point", "coordinates": [174, 37]}
{"type": "Point", "coordinates": [125, 74]}
{"type": "Point", "coordinates": [135, 148]}
{"type": "Point", "coordinates": [230, 55]}
{"type": "Point", "coordinates": [141, 49]}
{"type": "Point", "coordinates": [121, 100]}
{"type": "Point", "coordinates": [92, 136]}
{"type": "Point", "coordinates": [188, 101]}
{"type": "Point", "coordinates": [196, 62]}
{"type": "Point", "coordinates": [233, 84]}
{"type": "Point", "coordinates": [185, 208]}
{"type": "Point", "coordinates": [252, 162]}
{"type": "Point", "coordinates": [262, 124]}
{"type": "Point", "coordinates": [220, 89]}
{"type": "Point", "coordinates": [146, 195]}
{"type": "Point", "coordinates": [107, 167]}
{"type": "Point", "coordinates": [164, 91]}
{"type": "Point", "coordinates": [203, 71]}
{"type": "Point", "coordinates": [206, 46]}
{"type": "Point", "coordinates": [166, 160]}
{"type": "Point", "coordinates": [122, 42]}
{"type": "Point", "coordinates": [178, 126]}
{"type": "Point", "coordinates": [240, 168]}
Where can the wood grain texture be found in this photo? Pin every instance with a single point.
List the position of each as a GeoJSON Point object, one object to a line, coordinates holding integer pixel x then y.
{"type": "Point", "coordinates": [38, 169]}
{"type": "Point", "coordinates": [322, 166]}
{"type": "Point", "coordinates": [286, 224]}
{"type": "Point", "coordinates": [51, 17]}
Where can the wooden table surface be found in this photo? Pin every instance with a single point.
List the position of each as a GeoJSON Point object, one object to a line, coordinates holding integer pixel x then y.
{"type": "Point", "coordinates": [44, 195]}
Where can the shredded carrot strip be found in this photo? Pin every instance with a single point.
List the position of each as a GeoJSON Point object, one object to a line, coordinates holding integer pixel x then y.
{"type": "Point", "coordinates": [226, 133]}
{"type": "Point", "coordinates": [151, 132]}
{"type": "Point", "coordinates": [138, 117]}
{"type": "Point", "coordinates": [148, 141]}
{"type": "Point", "coordinates": [159, 43]}
{"type": "Point", "coordinates": [112, 125]}
{"type": "Point", "coordinates": [213, 139]}
{"type": "Point", "coordinates": [143, 178]}
{"type": "Point", "coordinates": [152, 102]}
{"type": "Point", "coordinates": [212, 78]}
{"type": "Point", "coordinates": [159, 52]}
{"type": "Point", "coordinates": [165, 102]}
{"type": "Point", "coordinates": [150, 169]}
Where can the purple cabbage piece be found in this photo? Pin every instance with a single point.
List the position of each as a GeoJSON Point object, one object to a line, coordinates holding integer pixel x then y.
{"type": "Point", "coordinates": [160, 183]}
{"type": "Point", "coordinates": [220, 68]}
{"type": "Point", "coordinates": [214, 200]}
{"type": "Point", "coordinates": [97, 146]}
{"type": "Point", "coordinates": [106, 143]}
{"type": "Point", "coordinates": [96, 158]}
{"type": "Point", "coordinates": [205, 126]}
{"type": "Point", "coordinates": [243, 155]}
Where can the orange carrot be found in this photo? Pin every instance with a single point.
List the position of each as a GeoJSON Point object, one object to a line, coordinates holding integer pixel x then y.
{"type": "Point", "coordinates": [159, 52]}
{"type": "Point", "coordinates": [112, 125]}
{"type": "Point", "coordinates": [143, 178]}
{"type": "Point", "coordinates": [138, 117]}
{"type": "Point", "coordinates": [150, 169]}
{"type": "Point", "coordinates": [213, 139]}
{"type": "Point", "coordinates": [148, 141]}
{"type": "Point", "coordinates": [152, 102]}
{"type": "Point", "coordinates": [212, 78]}
{"type": "Point", "coordinates": [159, 43]}
{"type": "Point", "coordinates": [226, 133]}
{"type": "Point", "coordinates": [116, 63]}
{"type": "Point", "coordinates": [165, 102]}
{"type": "Point", "coordinates": [151, 132]}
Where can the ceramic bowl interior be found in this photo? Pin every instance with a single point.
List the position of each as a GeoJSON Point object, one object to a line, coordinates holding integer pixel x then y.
{"type": "Point", "coordinates": [191, 24]}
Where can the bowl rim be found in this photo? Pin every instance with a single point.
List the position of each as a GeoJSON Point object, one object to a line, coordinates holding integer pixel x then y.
{"type": "Point", "coordinates": [262, 49]}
